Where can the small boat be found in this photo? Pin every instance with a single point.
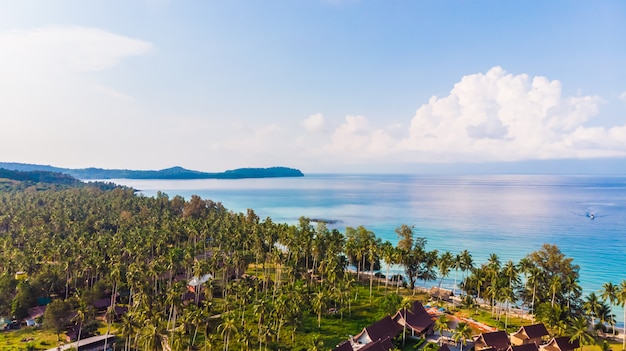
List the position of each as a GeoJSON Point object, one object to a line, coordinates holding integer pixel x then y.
{"type": "Point", "coordinates": [592, 216]}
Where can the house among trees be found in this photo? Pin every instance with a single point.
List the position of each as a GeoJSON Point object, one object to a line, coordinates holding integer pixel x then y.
{"type": "Point", "coordinates": [497, 340]}
{"type": "Point", "coordinates": [560, 344]}
{"type": "Point", "coordinates": [384, 328]}
{"type": "Point", "coordinates": [33, 314]}
{"type": "Point", "coordinates": [528, 334]}
{"type": "Point", "coordinates": [417, 320]}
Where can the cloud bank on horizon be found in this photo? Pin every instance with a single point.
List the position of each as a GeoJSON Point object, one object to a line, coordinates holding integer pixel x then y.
{"type": "Point", "coordinates": [487, 117]}
{"type": "Point", "coordinates": [80, 96]}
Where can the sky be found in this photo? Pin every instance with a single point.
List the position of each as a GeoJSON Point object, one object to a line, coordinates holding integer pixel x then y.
{"type": "Point", "coordinates": [339, 86]}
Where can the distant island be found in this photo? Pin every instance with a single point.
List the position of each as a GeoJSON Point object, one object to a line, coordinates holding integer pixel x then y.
{"type": "Point", "coordinates": [168, 173]}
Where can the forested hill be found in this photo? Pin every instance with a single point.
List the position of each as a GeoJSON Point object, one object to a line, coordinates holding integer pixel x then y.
{"type": "Point", "coordinates": [11, 180]}
{"type": "Point", "coordinates": [169, 173]}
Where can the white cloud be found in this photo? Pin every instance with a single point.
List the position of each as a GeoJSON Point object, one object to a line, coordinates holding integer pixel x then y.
{"type": "Point", "coordinates": [55, 96]}
{"type": "Point", "coordinates": [622, 96]}
{"type": "Point", "coordinates": [314, 123]}
{"type": "Point", "coordinates": [486, 117]}
{"type": "Point", "coordinates": [66, 48]}
{"type": "Point", "coordinates": [498, 116]}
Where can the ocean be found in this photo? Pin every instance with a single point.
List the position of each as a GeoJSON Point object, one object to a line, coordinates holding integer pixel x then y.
{"type": "Point", "coordinates": [510, 215]}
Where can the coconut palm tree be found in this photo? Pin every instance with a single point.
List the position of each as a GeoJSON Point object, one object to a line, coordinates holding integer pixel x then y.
{"type": "Point", "coordinates": [591, 306]}
{"type": "Point", "coordinates": [609, 293]}
{"type": "Point", "coordinates": [228, 327]}
{"type": "Point", "coordinates": [445, 263]}
{"type": "Point", "coordinates": [405, 305]}
{"type": "Point", "coordinates": [319, 305]}
{"type": "Point", "coordinates": [441, 324]}
{"type": "Point", "coordinates": [462, 332]}
{"type": "Point", "coordinates": [621, 300]}
{"type": "Point", "coordinates": [315, 343]}
{"type": "Point", "coordinates": [580, 331]}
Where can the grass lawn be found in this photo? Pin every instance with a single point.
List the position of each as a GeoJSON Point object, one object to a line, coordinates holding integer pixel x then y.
{"type": "Point", "coordinates": [21, 339]}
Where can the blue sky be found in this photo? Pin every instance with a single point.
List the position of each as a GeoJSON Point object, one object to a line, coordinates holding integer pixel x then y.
{"type": "Point", "coordinates": [319, 85]}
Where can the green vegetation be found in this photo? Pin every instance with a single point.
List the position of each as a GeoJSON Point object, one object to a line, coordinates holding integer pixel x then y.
{"type": "Point", "coordinates": [169, 173]}
{"type": "Point", "coordinates": [268, 285]}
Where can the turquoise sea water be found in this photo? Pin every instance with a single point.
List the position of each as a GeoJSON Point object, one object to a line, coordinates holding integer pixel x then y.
{"type": "Point", "coordinates": [510, 215]}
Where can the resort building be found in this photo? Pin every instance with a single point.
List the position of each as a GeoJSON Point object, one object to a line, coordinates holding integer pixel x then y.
{"type": "Point", "coordinates": [497, 341]}
{"type": "Point", "coordinates": [383, 329]}
{"type": "Point", "coordinates": [561, 343]}
{"type": "Point", "coordinates": [417, 320]}
{"type": "Point", "coordinates": [528, 334]}
{"type": "Point", "coordinates": [525, 347]}
{"type": "Point", "coordinates": [378, 345]}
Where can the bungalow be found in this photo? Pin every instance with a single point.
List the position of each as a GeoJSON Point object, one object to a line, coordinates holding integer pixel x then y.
{"type": "Point", "coordinates": [530, 334]}
{"type": "Point", "coordinates": [497, 340]}
{"type": "Point", "coordinates": [525, 347]}
{"type": "Point", "coordinates": [384, 328]}
{"type": "Point", "coordinates": [560, 344]}
{"type": "Point", "coordinates": [344, 346]}
{"type": "Point", "coordinates": [417, 320]}
{"type": "Point", "coordinates": [378, 345]}
{"type": "Point", "coordinates": [33, 314]}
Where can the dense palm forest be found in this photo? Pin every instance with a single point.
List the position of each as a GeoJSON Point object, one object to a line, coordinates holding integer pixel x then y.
{"type": "Point", "coordinates": [256, 282]}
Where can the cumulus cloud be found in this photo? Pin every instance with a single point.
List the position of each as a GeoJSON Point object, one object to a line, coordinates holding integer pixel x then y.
{"type": "Point", "coordinates": [486, 117]}
{"type": "Point", "coordinates": [498, 116]}
{"type": "Point", "coordinates": [314, 123]}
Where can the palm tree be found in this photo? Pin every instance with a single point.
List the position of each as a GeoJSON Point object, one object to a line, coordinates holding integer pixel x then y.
{"type": "Point", "coordinates": [555, 286]}
{"type": "Point", "coordinates": [510, 271]}
{"type": "Point", "coordinates": [591, 306]}
{"type": "Point", "coordinates": [129, 328]}
{"type": "Point", "coordinates": [609, 293]}
{"type": "Point", "coordinates": [81, 314]}
{"type": "Point", "coordinates": [441, 324]}
{"type": "Point", "coordinates": [621, 300]}
{"type": "Point", "coordinates": [462, 332]}
{"type": "Point", "coordinates": [534, 275]}
{"type": "Point", "coordinates": [445, 263]}
{"type": "Point", "coordinates": [316, 343]}
{"type": "Point", "coordinates": [388, 254]}
{"type": "Point", "coordinates": [228, 326]}
{"type": "Point", "coordinates": [152, 335]}
{"type": "Point", "coordinates": [580, 331]}
{"type": "Point", "coordinates": [319, 305]}
{"type": "Point", "coordinates": [406, 304]}
{"type": "Point", "coordinates": [493, 270]}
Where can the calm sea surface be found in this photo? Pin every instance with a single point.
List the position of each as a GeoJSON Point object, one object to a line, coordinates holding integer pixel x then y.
{"type": "Point", "coordinates": [510, 215]}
